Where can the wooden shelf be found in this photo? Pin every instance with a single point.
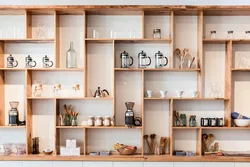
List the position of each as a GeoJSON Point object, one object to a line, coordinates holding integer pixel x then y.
{"type": "Point", "coordinates": [12, 127]}
{"type": "Point", "coordinates": [27, 40]}
{"type": "Point", "coordinates": [42, 69]}
{"type": "Point", "coordinates": [145, 40]}
{"type": "Point", "coordinates": [212, 128]}
{"type": "Point", "coordinates": [186, 127]}
{"type": "Point", "coordinates": [12, 69]}
{"type": "Point", "coordinates": [97, 127]}
{"type": "Point", "coordinates": [241, 69]}
{"type": "Point", "coordinates": [99, 40]}
{"type": "Point", "coordinates": [223, 41]}
{"type": "Point", "coordinates": [184, 98]}
{"type": "Point", "coordinates": [69, 98]}
{"type": "Point", "coordinates": [158, 69]}
{"type": "Point", "coordinates": [41, 98]}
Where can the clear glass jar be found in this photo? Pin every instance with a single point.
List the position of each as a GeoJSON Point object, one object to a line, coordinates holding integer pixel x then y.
{"type": "Point", "coordinates": [213, 35]}
{"type": "Point", "coordinates": [98, 121]}
{"type": "Point", "coordinates": [157, 33]}
{"type": "Point", "coordinates": [91, 121]}
{"type": "Point", "coordinates": [71, 57]}
{"type": "Point", "coordinates": [230, 34]}
{"type": "Point", "coordinates": [247, 34]}
{"type": "Point", "coordinates": [74, 121]}
{"type": "Point", "coordinates": [107, 121]}
{"type": "Point", "coordinates": [56, 90]}
{"type": "Point", "coordinates": [38, 88]}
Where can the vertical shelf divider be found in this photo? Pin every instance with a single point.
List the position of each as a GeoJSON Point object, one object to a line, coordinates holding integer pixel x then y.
{"type": "Point", "coordinates": [171, 138]}
{"type": "Point", "coordinates": [143, 111]}
{"type": "Point", "coordinates": [1, 54]}
{"type": "Point", "coordinates": [28, 85]}
{"type": "Point", "coordinates": [228, 83]}
{"type": "Point", "coordinates": [55, 123]}
{"type": "Point", "coordinates": [113, 87]}
{"type": "Point", "coordinates": [85, 142]}
{"type": "Point", "coordinates": [57, 40]}
{"type": "Point", "coordinates": [28, 24]}
{"type": "Point", "coordinates": [199, 142]}
{"type": "Point", "coordinates": [143, 24]}
{"type": "Point", "coordinates": [172, 40]}
{"type": "Point", "coordinates": [200, 54]}
{"type": "Point", "coordinates": [2, 102]}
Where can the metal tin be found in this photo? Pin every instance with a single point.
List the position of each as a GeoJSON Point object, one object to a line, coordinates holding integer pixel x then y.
{"type": "Point", "coordinates": [212, 122]}
{"type": "Point", "coordinates": [204, 122]}
{"type": "Point", "coordinates": [219, 122]}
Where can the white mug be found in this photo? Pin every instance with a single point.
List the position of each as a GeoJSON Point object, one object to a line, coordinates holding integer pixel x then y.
{"type": "Point", "coordinates": [149, 93]}
{"type": "Point", "coordinates": [195, 94]}
{"type": "Point", "coordinates": [179, 93]}
{"type": "Point", "coordinates": [163, 93]}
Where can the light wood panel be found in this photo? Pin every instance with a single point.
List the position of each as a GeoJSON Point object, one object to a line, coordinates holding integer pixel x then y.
{"type": "Point", "coordinates": [28, 24]}
{"type": "Point", "coordinates": [28, 76]}
{"type": "Point", "coordinates": [228, 83]}
{"type": "Point", "coordinates": [57, 40]}
{"type": "Point", "coordinates": [1, 54]}
{"type": "Point", "coordinates": [171, 116]}
{"type": "Point", "coordinates": [200, 54]}
{"type": "Point", "coordinates": [172, 37]}
{"type": "Point", "coordinates": [2, 101]}
{"type": "Point", "coordinates": [143, 111]}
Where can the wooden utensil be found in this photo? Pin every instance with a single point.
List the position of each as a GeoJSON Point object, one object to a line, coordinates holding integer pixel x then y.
{"type": "Point", "coordinates": [146, 138]}
{"type": "Point", "coordinates": [192, 62]}
{"type": "Point", "coordinates": [177, 53]}
{"type": "Point", "coordinates": [152, 144]}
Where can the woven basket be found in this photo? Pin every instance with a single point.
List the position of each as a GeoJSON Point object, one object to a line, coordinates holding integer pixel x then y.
{"type": "Point", "coordinates": [127, 152]}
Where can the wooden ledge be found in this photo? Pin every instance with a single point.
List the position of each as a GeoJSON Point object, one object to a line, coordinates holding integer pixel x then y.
{"type": "Point", "coordinates": [134, 158]}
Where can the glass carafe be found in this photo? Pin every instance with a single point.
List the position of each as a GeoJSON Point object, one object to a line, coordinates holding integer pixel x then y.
{"type": "Point", "coordinates": [159, 60]}
{"type": "Point", "coordinates": [125, 60]}
{"type": "Point", "coordinates": [47, 62]}
{"type": "Point", "coordinates": [29, 62]}
{"type": "Point", "coordinates": [38, 88]}
{"type": "Point", "coordinates": [11, 63]}
{"type": "Point", "coordinates": [71, 57]}
{"type": "Point", "coordinates": [13, 113]}
{"type": "Point", "coordinates": [142, 60]}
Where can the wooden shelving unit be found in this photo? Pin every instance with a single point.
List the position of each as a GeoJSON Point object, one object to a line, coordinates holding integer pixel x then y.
{"type": "Point", "coordinates": [98, 64]}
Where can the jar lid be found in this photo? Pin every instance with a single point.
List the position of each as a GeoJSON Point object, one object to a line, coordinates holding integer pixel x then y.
{"type": "Point", "coordinates": [98, 117]}
{"type": "Point", "coordinates": [158, 54]}
{"type": "Point", "coordinates": [220, 118]}
{"type": "Point", "coordinates": [230, 32]}
{"type": "Point", "coordinates": [247, 32]}
{"type": "Point", "coordinates": [157, 31]}
{"type": "Point", "coordinates": [90, 116]}
{"type": "Point", "coordinates": [213, 31]}
{"type": "Point", "coordinates": [107, 116]}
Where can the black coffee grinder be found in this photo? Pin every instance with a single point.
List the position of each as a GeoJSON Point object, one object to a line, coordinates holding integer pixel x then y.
{"type": "Point", "coordinates": [129, 114]}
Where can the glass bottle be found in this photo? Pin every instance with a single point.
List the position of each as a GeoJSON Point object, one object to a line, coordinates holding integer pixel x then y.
{"type": "Point", "coordinates": [71, 57]}
{"type": "Point", "coordinates": [213, 35]}
{"type": "Point", "coordinates": [230, 34]}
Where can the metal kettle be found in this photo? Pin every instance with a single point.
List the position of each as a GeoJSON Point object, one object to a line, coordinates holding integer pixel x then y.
{"type": "Point", "coordinates": [100, 93]}
{"type": "Point", "coordinates": [125, 60]}
{"type": "Point", "coordinates": [142, 56]}
{"type": "Point", "coordinates": [159, 60]}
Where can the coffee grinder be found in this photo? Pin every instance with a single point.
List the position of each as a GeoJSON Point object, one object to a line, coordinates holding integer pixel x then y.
{"type": "Point", "coordinates": [13, 114]}
{"type": "Point", "coordinates": [129, 114]}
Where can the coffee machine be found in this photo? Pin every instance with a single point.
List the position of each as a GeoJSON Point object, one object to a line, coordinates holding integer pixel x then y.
{"type": "Point", "coordinates": [129, 114]}
{"type": "Point", "coordinates": [13, 114]}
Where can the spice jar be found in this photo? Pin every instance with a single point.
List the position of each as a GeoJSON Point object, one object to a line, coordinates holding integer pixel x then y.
{"type": "Point", "coordinates": [219, 122]}
{"type": "Point", "coordinates": [91, 121]}
{"type": "Point", "coordinates": [183, 119]}
{"type": "Point", "coordinates": [230, 34]}
{"type": "Point", "coordinates": [157, 33]}
{"type": "Point", "coordinates": [107, 121]}
{"type": "Point", "coordinates": [204, 122]}
{"type": "Point", "coordinates": [98, 121]}
{"type": "Point", "coordinates": [247, 36]}
{"type": "Point", "coordinates": [212, 122]}
{"type": "Point", "coordinates": [192, 121]}
{"type": "Point", "coordinates": [213, 35]}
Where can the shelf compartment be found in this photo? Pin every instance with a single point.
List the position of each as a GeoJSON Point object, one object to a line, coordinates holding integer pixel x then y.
{"type": "Point", "coordinates": [55, 69]}
{"type": "Point", "coordinates": [99, 40]}
{"type": "Point", "coordinates": [186, 127]}
{"type": "Point", "coordinates": [240, 69]}
{"type": "Point", "coordinates": [173, 69]}
{"type": "Point", "coordinates": [215, 41]}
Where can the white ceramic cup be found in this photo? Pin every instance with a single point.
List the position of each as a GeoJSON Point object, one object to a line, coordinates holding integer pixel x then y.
{"type": "Point", "coordinates": [179, 93]}
{"type": "Point", "coordinates": [195, 94]}
{"type": "Point", "coordinates": [149, 93]}
{"type": "Point", "coordinates": [163, 93]}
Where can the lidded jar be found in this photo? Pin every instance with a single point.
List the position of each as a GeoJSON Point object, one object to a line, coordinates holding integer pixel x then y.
{"type": "Point", "coordinates": [157, 33]}
{"type": "Point", "coordinates": [98, 121]}
{"type": "Point", "coordinates": [159, 60]}
{"type": "Point", "coordinates": [125, 60]}
{"type": "Point", "coordinates": [230, 34]}
{"type": "Point", "coordinates": [247, 34]}
{"type": "Point", "coordinates": [91, 121]}
{"type": "Point", "coordinates": [212, 34]}
{"type": "Point", "coordinates": [107, 121]}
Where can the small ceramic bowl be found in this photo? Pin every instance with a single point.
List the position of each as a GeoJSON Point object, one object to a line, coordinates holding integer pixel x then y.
{"type": "Point", "coordinates": [242, 122]}
{"type": "Point", "coordinates": [47, 151]}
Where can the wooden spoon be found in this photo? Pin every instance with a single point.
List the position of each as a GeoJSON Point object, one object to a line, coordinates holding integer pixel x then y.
{"type": "Point", "coordinates": [177, 53]}
{"type": "Point", "coordinates": [191, 62]}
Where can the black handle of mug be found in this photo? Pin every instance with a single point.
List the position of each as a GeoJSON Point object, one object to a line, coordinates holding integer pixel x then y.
{"type": "Point", "coordinates": [132, 61]}
{"type": "Point", "coordinates": [149, 61]}
{"type": "Point", "coordinates": [104, 90]}
{"type": "Point", "coordinates": [166, 61]}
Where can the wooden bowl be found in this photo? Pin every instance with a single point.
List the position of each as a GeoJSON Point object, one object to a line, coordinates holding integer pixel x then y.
{"type": "Point", "coordinates": [47, 151]}
{"type": "Point", "coordinates": [127, 152]}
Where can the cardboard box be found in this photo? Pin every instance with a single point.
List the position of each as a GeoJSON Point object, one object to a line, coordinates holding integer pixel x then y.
{"type": "Point", "coordinates": [71, 143]}
{"type": "Point", "coordinates": [75, 151]}
{"type": "Point", "coordinates": [70, 151]}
